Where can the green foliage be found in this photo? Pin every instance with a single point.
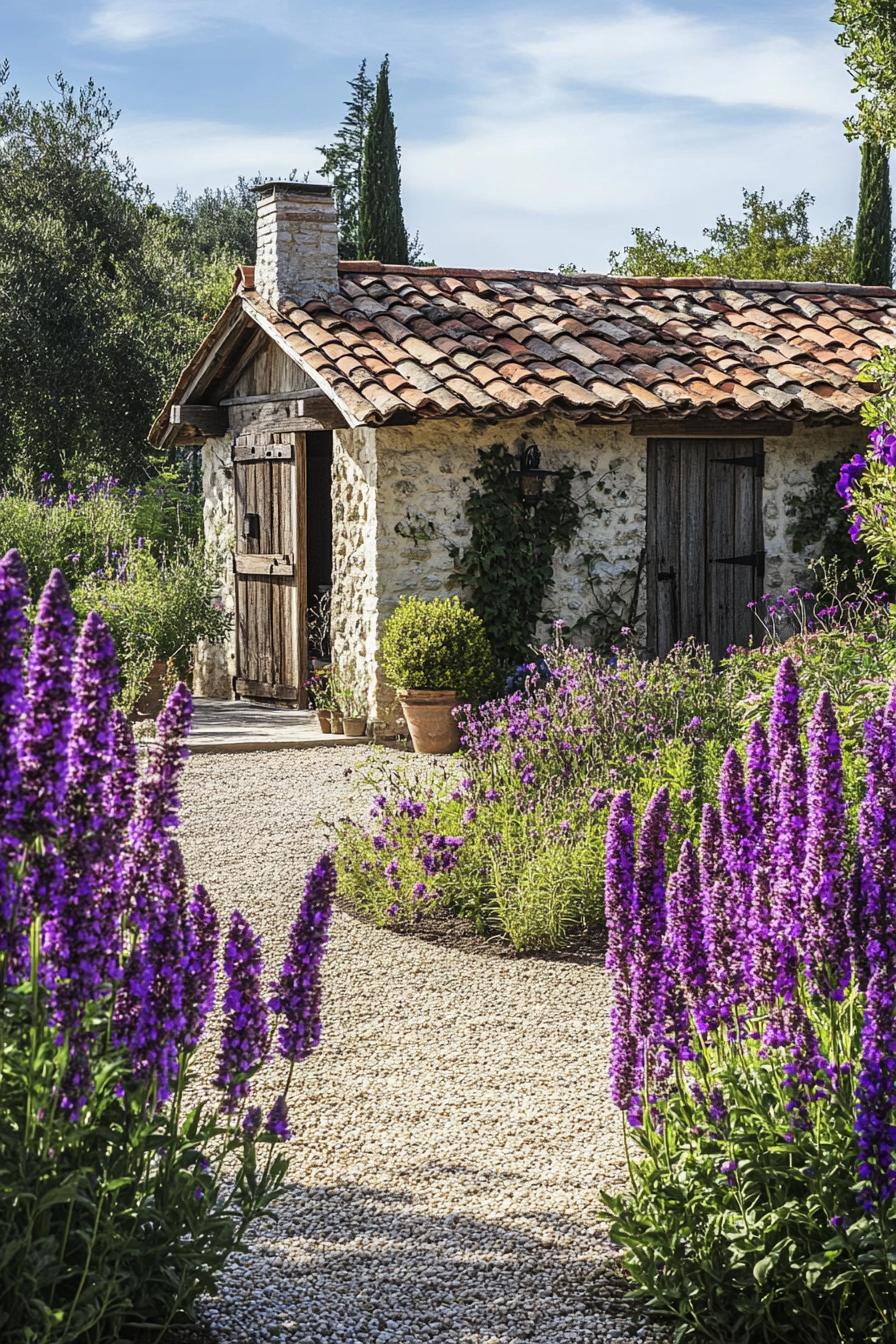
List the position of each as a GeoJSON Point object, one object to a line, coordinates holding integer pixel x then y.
{"type": "Point", "coordinates": [873, 255]}
{"type": "Point", "coordinates": [508, 567]}
{"type": "Point", "coordinates": [118, 1223]}
{"type": "Point", "coordinates": [819, 523]}
{"type": "Point", "coordinates": [343, 159]}
{"type": "Point", "coordinates": [381, 230]}
{"type": "Point", "coordinates": [747, 1229]}
{"type": "Point", "coordinates": [769, 241]}
{"type": "Point", "coordinates": [84, 345]}
{"type": "Point", "coordinates": [869, 40]}
{"type": "Point", "coordinates": [436, 645]}
{"type": "Point", "coordinates": [156, 610]}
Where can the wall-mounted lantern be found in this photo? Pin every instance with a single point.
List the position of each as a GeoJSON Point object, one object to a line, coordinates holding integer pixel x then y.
{"type": "Point", "coordinates": [532, 475]}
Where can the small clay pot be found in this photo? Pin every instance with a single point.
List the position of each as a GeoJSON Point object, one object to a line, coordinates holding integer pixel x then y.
{"type": "Point", "coordinates": [431, 724]}
{"type": "Point", "coordinates": [354, 727]}
{"type": "Point", "coordinates": [325, 721]}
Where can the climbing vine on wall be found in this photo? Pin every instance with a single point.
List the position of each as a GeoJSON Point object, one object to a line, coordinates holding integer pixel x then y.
{"type": "Point", "coordinates": [507, 569]}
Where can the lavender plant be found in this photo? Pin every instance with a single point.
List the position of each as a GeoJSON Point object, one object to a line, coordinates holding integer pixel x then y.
{"type": "Point", "coordinates": [754, 1042]}
{"type": "Point", "coordinates": [123, 1190]}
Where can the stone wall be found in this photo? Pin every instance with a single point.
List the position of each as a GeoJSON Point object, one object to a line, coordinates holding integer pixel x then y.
{"type": "Point", "coordinates": [215, 664]}
{"type": "Point", "coordinates": [354, 629]}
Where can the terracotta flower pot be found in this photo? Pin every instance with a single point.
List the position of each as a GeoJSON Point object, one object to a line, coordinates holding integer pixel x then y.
{"type": "Point", "coordinates": [430, 721]}
{"type": "Point", "coordinates": [325, 721]}
{"type": "Point", "coordinates": [353, 727]}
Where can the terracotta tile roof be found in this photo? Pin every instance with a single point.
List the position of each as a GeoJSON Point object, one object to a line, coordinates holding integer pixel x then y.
{"type": "Point", "coordinates": [423, 342]}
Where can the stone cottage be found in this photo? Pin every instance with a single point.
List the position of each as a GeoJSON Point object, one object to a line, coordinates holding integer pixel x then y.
{"type": "Point", "coordinates": [342, 406]}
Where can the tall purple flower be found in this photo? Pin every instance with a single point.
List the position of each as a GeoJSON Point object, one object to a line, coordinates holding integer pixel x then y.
{"type": "Point", "coordinates": [684, 934]}
{"type": "Point", "coordinates": [43, 747]}
{"type": "Point", "coordinates": [737, 850]}
{"type": "Point", "coordinates": [720, 937]}
{"type": "Point", "coordinates": [156, 811]}
{"type": "Point", "coordinates": [824, 892]}
{"type": "Point", "coordinates": [759, 778]}
{"type": "Point", "coordinates": [43, 740]}
{"type": "Point", "coordinates": [199, 963]}
{"type": "Point", "coordinates": [784, 720]}
{"type": "Point", "coordinates": [244, 1039]}
{"type": "Point", "coordinates": [81, 933]}
{"type": "Point", "coordinates": [121, 781]}
{"type": "Point", "coordinates": [876, 1092]}
{"type": "Point", "coordinates": [13, 596]}
{"type": "Point", "coordinates": [619, 904]}
{"type": "Point", "coordinates": [873, 928]}
{"type": "Point", "coordinates": [297, 992]}
{"type": "Point", "coordinates": [277, 1122]}
{"type": "Point", "coordinates": [650, 985]}
{"type": "Point", "coordinates": [787, 857]}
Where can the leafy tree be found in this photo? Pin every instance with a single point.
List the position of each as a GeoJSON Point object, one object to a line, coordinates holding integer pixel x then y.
{"type": "Point", "coordinates": [770, 240]}
{"type": "Point", "coordinates": [381, 230]}
{"type": "Point", "coordinates": [873, 256]}
{"type": "Point", "coordinates": [85, 288]}
{"type": "Point", "coordinates": [343, 159]}
{"type": "Point", "coordinates": [869, 40]}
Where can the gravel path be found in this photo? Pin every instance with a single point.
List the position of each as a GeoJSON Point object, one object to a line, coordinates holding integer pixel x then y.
{"type": "Point", "coordinates": [452, 1132]}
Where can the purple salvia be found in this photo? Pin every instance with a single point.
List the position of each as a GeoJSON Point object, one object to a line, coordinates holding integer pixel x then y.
{"type": "Point", "coordinates": [650, 983]}
{"type": "Point", "coordinates": [721, 943]}
{"type": "Point", "coordinates": [297, 992]}
{"type": "Point", "coordinates": [619, 905]}
{"type": "Point", "coordinates": [277, 1122]}
{"type": "Point", "coordinates": [787, 847]}
{"type": "Point", "coordinates": [13, 625]}
{"type": "Point", "coordinates": [873, 928]}
{"type": "Point", "coordinates": [824, 891]}
{"type": "Point", "coordinates": [200, 960]}
{"type": "Point", "coordinates": [684, 936]}
{"type": "Point", "coordinates": [81, 931]}
{"type": "Point", "coordinates": [43, 744]}
{"type": "Point", "coordinates": [156, 811]}
{"type": "Point", "coordinates": [43, 741]}
{"type": "Point", "coordinates": [759, 779]}
{"type": "Point", "coordinates": [784, 719]}
{"type": "Point", "coordinates": [738, 849]}
{"type": "Point", "coordinates": [244, 1039]}
{"type": "Point", "coordinates": [151, 1011]}
{"type": "Point", "coordinates": [121, 784]}
{"type": "Point", "coordinates": [876, 1092]}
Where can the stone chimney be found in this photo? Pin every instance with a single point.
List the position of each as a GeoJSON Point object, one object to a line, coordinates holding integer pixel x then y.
{"type": "Point", "coordinates": [297, 242]}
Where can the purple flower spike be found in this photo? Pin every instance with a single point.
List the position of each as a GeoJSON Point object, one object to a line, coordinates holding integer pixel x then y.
{"type": "Point", "coordinates": [13, 596]}
{"type": "Point", "coordinates": [121, 788]}
{"type": "Point", "coordinates": [297, 992]}
{"type": "Point", "coordinates": [786, 867]}
{"type": "Point", "coordinates": [759, 778]}
{"type": "Point", "coordinates": [872, 927]}
{"type": "Point", "coordinates": [277, 1122]}
{"type": "Point", "coordinates": [876, 1092]}
{"type": "Point", "coordinates": [684, 932]}
{"type": "Point", "coordinates": [650, 982]}
{"type": "Point", "coordinates": [244, 1040]}
{"type": "Point", "coordinates": [784, 720]}
{"type": "Point", "coordinates": [721, 944]}
{"type": "Point", "coordinates": [47, 720]}
{"type": "Point", "coordinates": [737, 849]}
{"type": "Point", "coordinates": [200, 958]}
{"type": "Point", "coordinates": [619, 901]}
{"type": "Point", "coordinates": [824, 895]}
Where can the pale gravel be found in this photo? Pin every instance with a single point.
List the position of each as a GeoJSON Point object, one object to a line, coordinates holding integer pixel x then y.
{"type": "Point", "coordinates": [453, 1131]}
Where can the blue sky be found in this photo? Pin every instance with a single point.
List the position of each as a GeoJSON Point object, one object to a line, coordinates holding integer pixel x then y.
{"type": "Point", "coordinates": [531, 134]}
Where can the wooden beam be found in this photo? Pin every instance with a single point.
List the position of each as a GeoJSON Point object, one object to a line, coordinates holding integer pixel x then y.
{"type": "Point", "coordinates": [709, 427]}
{"type": "Point", "coordinates": [309, 404]}
{"type": "Point", "coordinates": [211, 422]}
{"type": "Point", "coordinates": [264, 564]}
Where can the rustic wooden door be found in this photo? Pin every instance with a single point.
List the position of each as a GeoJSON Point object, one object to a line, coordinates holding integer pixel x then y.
{"type": "Point", "coordinates": [705, 556]}
{"type": "Point", "coordinates": [270, 566]}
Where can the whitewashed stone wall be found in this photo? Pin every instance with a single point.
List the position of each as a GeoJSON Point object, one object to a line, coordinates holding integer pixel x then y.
{"type": "Point", "coordinates": [788, 471]}
{"type": "Point", "coordinates": [215, 664]}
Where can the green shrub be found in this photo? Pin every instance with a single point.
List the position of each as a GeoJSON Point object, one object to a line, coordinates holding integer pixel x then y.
{"type": "Point", "coordinates": [436, 645]}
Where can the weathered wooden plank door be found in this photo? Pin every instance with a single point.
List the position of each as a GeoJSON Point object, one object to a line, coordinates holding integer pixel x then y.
{"type": "Point", "coordinates": [705, 556]}
{"type": "Point", "coordinates": [270, 566]}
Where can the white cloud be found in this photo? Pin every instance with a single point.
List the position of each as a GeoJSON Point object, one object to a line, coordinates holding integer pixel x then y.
{"type": "Point", "coordinates": [134, 23]}
{"type": "Point", "coordinates": [193, 153]}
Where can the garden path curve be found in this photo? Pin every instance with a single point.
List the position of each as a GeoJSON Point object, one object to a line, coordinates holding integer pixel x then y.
{"type": "Point", "coordinates": [451, 1134]}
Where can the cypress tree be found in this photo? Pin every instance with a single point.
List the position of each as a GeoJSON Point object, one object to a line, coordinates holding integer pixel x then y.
{"type": "Point", "coordinates": [343, 160]}
{"type": "Point", "coordinates": [382, 235]}
{"type": "Point", "coordinates": [873, 254]}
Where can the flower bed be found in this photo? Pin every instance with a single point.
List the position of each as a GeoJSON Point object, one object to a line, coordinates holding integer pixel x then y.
{"type": "Point", "coordinates": [754, 1039]}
